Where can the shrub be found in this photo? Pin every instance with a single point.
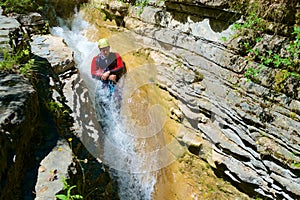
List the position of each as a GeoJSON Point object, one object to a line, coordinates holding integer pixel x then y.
{"type": "Point", "coordinates": [19, 6]}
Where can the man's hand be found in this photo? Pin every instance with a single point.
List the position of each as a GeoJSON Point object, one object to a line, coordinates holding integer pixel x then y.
{"type": "Point", "coordinates": [113, 78]}
{"type": "Point", "coordinates": [105, 75]}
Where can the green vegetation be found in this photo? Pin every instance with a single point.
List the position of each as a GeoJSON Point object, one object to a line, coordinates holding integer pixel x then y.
{"type": "Point", "coordinates": [253, 31]}
{"type": "Point", "coordinates": [67, 193]}
{"type": "Point", "coordinates": [57, 109]}
{"type": "Point", "coordinates": [141, 4]}
{"type": "Point", "coordinates": [8, 63]}
{"type": "Point", "coordinates": [296, 164]}
{"type": "Point", "coordinates": [273, 59]}
{"type": "Point", "coordinates": [252, 22]}
{"type": "Point", "coordinates": [251, 73]}
{"type": "Point", "coordinates": [287, 63]}
{"type": "Point", "coordinates": [20, 6]}
{"type": "Point", "coordinates": [67, 189]}
{"type": "Point", "coordinates": [19, 62]}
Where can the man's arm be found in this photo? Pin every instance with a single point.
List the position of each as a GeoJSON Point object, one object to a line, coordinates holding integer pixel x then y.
{"type": "Point", "coordinates": [96, 73]}
{"type": "Point", "coordinates": [119, 68]}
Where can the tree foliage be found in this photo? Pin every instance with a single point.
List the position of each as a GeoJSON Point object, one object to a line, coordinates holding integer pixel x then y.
{"type": "Point", "coordinates": [19, 6]}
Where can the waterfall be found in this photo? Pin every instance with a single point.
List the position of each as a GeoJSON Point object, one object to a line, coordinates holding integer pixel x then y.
{"type": "Point", "coordinates": [132, 159]}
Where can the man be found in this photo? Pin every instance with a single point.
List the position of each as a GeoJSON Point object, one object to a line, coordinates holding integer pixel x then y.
{"type": "Point", "coordinates": [107, 66]}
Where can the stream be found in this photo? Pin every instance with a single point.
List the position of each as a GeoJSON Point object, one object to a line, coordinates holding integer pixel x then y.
{"type": "Point", "coordinates": [129, 146]}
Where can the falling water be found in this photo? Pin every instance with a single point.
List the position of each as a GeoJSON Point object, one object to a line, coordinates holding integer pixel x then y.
{"type": "Point", "coordinates": [127, 151]}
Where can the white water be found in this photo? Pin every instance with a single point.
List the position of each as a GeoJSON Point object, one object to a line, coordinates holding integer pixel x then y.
{"type": "Point", "coordinates": [124, 152]}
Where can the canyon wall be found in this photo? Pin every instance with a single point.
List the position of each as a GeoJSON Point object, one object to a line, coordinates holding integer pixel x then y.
{"type": "Point", "coordinates": [252, 129]}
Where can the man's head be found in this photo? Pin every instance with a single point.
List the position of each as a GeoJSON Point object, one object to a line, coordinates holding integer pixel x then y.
{"type": "Point", "coordinates": [104, 46]}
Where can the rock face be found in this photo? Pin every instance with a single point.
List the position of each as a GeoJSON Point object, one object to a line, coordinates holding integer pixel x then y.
{"type": "Point", "coordinates": [63, 9]}
{"type": "Point", "coordinates": [79, 165]}
{"type": "Point", "coordinates": [55, 51]}
{"type": "Point", "coordinates": [7, 26]}
{"type": "Point", "coordinates": [35, 151]}
{"type": "Point", "coordinates": [253, 131]}
{"type": "Point", "coordinates": [18, 121]}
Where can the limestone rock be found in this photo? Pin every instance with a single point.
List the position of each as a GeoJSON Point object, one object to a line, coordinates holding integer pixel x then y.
{"type": "Point", "coordinates": [233, 118]}
{"type": "Point", "coordinates": [49, 180]}
{"type": "Point", "coordinates": [7, 26]}
{"type": "Point", "coordinates": [54, 50]}
{"type": "Point", "coordinates": [18, 121]}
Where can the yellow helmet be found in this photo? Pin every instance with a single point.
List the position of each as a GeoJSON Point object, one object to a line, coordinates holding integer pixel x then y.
{"type": "Point", "coordinates": [103, 43]}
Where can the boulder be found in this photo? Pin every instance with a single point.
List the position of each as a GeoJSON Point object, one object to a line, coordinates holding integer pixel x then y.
{"type": "Point", "coordinates": [55, 51]}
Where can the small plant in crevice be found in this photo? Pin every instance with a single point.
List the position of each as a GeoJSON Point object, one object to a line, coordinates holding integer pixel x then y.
{"type": "Point", "coordinates": [8, 62]}
{"type": "Point", "coordinates": [252, 73]}
{"type": "Point", "coordinates": [57, 109]}
{"type": "Point", "coordinates": [78, 164]}
{"type": "Point", "coordinates": [253, 46]}
{"type": "Point", "coordinates": [27, 68]}
{"type": "Point", "coordinates": [289, 60]}
{"type": "Point", "coordinates": [296, 164]}
{"type": "Point", "coordinates": [73, 191]}
{"type": "Point", "coordinates": [142, 4]}
{"type": "Point", "coordinates": [78, 161]}
{"type": "Point", "coordinates": [18, 62]}
{"type": "Point", "coordinates": [252, 23]}
{"type": "Point", "coordinates": [67, 189]}
{"type": "Point", "coordinates": [268, 58]}
{"type": "Point", "coordinates": [223, 39]}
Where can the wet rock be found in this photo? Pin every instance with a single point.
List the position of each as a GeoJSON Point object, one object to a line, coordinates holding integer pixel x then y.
{"type": "Point", "coordinates": [62, 161]}
{"type": "Point", "coordinates": [233, 107]}
{"type": "Point", "coordinates": [25, 123]}
{"type": "Point", "coordinates": [251, 128]}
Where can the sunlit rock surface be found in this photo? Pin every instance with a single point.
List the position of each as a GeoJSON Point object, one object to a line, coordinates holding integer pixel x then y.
{"type": "Point", "coordinates": [54, 50]}
{"type": "Point", "coordinates": [253, 131]}
{"type": "Point", "coordinates": [7, 26]}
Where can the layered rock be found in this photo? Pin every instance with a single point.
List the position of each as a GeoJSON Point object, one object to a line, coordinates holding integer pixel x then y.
{"type": "Point", "coordinates": [7, 26]}
{"type": "Point", "coordinates": [55, 51]}
{"type": "Point", "coordinates": [253, 130]}
{"type": "Point", "coordinates": [35, 154]}
{"type": "Point", "coordinates": [83, 169]}
{"type": "Point", "coordinates": [19, 113]}
{"type": "Point", "coordinates": [19, 117]}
